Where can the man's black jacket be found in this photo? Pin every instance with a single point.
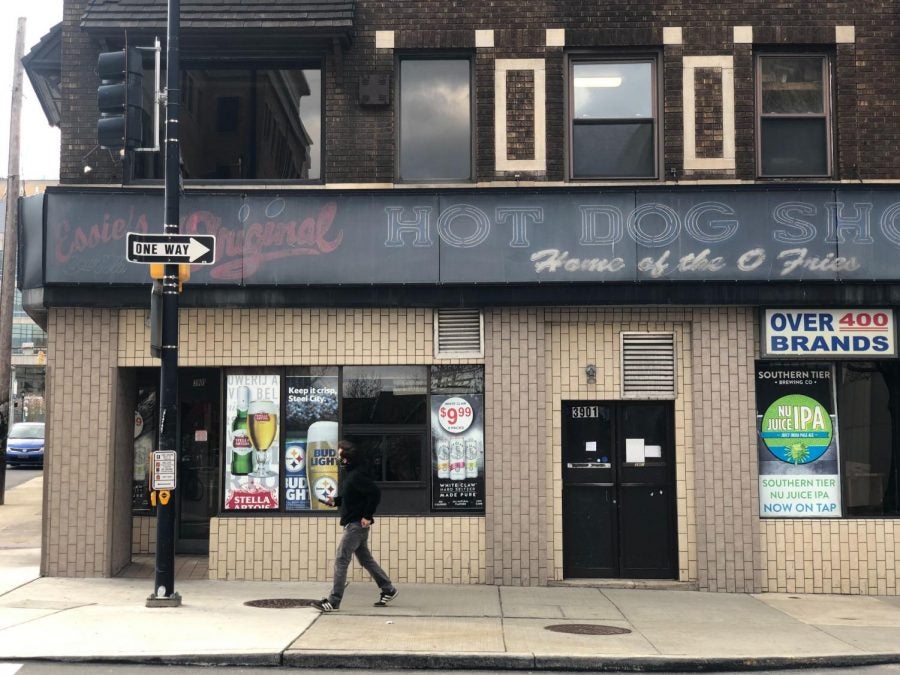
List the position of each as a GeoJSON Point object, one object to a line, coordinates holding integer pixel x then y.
{"type": "Point", "coordinates": [359, 495]}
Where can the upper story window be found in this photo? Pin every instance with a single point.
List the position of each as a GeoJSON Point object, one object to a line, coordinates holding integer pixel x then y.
{"type": "Point", "coordinates": [794, 122]}
{"type": "Point", "coordinates": [435, 120]}
{"type": "Point", "coordinates": [247, 122]}
{"type": "Point", "coordinates": [614, 132]}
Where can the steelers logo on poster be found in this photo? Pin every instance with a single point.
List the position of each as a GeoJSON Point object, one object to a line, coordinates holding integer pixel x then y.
{"type": "Point", "coordinates": [295, 458]}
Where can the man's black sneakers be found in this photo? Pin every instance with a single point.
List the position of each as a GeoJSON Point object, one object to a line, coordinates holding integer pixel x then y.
{"type": "Point", "coordinates": [386, 598]}
{"type": "Point", "coordinates": [324, 605]}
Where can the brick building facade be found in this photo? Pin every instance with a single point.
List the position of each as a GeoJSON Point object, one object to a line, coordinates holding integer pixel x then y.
{"type": "Point", "coordinates": [741, 169]}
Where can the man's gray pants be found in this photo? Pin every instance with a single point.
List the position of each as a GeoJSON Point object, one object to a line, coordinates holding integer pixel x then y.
{"type": "Point", "coordinates": [356, 540]}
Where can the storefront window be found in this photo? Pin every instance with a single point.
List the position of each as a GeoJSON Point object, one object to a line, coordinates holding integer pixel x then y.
{"type": "Point", "coordinates": [868, 396]}
{"type": "Point", "coordinates": [392, 458]}
{"type": "Point", "coordinates": [457, 379]}
{"type": "Point", "coordinates": [829, 438]}
{"type": "Point", "coordinates": [420, 430]}
{"type": "Point", "coordinates": [384, 414]}
{"type": "Point", "coordinates": [384, 395]}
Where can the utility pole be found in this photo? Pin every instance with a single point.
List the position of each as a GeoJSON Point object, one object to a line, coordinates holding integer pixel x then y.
{"type": "Point", "coordinates": [164, 594]}
{"type": "Point", "coordinates": [10, 244]}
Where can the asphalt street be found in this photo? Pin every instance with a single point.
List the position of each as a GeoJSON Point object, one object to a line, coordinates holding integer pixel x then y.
{"type": "Point", "coordinates": [15, 476]}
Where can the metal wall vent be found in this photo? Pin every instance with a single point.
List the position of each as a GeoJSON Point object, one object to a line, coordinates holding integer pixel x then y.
{"type": "Point", "coordinates": [458, 333]}
{"type": "Point", "coordinates": [648, 365]}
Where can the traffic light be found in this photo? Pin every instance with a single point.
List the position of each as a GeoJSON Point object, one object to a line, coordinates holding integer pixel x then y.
{"type": "Point", "coordinates": [120, 98]}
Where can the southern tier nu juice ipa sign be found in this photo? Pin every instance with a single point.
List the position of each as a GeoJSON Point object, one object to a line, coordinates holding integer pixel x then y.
{"type": "Point", "coordinates": [797, 441]}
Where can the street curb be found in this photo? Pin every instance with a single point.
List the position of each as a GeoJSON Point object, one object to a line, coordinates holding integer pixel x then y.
{"type": "Point", "coordinates": [380, 661]}
{"type": "Point", "coordinates": [526, 661]}
{"type": "Point", "coordinates": [408, 660]}
{"type": "Point", "coordinates": [263, 659]}
{"type": "Point", "coordinates": [707, 664]}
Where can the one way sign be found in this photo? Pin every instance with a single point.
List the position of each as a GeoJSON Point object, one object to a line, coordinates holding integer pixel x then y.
{"type": "Point", "coordinates": [198, 249]}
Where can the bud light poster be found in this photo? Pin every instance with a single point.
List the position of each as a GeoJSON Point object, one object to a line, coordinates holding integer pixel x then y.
{"type": "Point", "coordinates": [311, 438]}
{"type": "Point", "coordinates": [797, 442]}
{"type": "Point", "coordinates": [457, 452]}
{"type": "Point", "coordinates": [253, 457]}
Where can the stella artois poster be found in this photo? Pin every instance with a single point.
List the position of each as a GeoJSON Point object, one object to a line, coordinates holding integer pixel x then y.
{"type": "Point", "coordinates": [252, 462]}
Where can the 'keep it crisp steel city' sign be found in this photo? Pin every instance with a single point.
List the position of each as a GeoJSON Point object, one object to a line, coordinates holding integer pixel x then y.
{"type": "Point", "coordinates": [829, 333]}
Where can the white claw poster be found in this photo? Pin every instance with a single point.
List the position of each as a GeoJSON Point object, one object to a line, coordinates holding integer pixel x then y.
{"type": "Point", "coordinates": [253, 459]}
{"type": "Point", "coordinates": [457, 471]}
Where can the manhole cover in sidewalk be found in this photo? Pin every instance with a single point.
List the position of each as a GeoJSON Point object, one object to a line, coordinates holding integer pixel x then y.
{"type": "Point", "coordinates": [281, 603]}
{"type": "Point", "coordinates": [586, 629]}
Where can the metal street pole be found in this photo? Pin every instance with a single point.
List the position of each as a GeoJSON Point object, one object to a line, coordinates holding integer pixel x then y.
{"type": "Point", "coordinates": [164, 594]}
{"type": "Point", "coordinates": [10, 241]}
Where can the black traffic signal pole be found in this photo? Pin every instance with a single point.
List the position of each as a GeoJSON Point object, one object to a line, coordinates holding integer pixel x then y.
{"type": "Point", "coordinates": [164, 594]}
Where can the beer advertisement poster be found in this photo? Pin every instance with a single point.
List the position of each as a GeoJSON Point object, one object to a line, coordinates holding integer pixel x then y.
{"type": "Point", "coordinates": [797, 442]}
{"type": "Point", "coordinates": [311, 438]}
{"type": "Point", "coordinates": [253, 457]}
{"type": "Point", "coordinates": [457, 452]}
{"type": "Point", "coordinates": [144, 440]}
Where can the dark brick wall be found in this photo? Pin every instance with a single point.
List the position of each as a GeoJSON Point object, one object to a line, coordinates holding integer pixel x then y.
{"type": "Point", "coordinates": [708, 112]}
{"type": "Point", "coordinates": [78, 109]}
{"type": "Point", "coordinates": [520, 114]}
{"type": "Point", "coordinates": [744, 112]}
{"type": "Point", "coordinates": [359, 143]}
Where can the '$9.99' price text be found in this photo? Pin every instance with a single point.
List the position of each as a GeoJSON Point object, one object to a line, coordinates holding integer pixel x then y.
{"type": "Point", "coordinates": [455, 415]}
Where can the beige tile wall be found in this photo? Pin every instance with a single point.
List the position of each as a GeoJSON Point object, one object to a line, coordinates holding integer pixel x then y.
{"type": "Point", "coordinates": [729, 552]}
{"type": "Point", "coordinates": [534, 358]}
{"type": "Point", "coordinates": [143, 534]}
{"type": "Point", "coordinates": [447, 550]}
{"type": "Point", "coordinates": [517, 494]}
{"type": "Point", "coordinates": [858, 557]}
{"type": "Point", "coordinates": [78, 472]}
{"type": "Point", "coordinates": [276, 337]}
{"type": "Point", "coordinates": [578, 337]}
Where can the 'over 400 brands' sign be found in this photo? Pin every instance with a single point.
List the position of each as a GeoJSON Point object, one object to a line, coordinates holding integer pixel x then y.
{"type": "Point", "coordinates": [830, 333]}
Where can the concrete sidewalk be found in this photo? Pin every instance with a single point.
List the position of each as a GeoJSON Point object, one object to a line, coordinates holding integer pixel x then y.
{"type": "Point", "coordinates": [435, 626]}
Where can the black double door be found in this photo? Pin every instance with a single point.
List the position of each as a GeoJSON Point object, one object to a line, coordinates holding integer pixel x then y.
{"type": "Point", "coordinates": [618, 490]}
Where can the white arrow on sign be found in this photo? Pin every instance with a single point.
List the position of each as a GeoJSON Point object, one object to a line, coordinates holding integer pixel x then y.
{"type": "Point", "coordinates": [196, 250]}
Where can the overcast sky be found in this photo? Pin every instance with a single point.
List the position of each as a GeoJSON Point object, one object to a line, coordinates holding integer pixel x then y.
{"type": "Point", "coordinates": [39, 142]}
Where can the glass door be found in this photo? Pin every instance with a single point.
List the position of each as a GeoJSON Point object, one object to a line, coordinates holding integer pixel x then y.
{"type": "Point", "coordinates": [198, 458]}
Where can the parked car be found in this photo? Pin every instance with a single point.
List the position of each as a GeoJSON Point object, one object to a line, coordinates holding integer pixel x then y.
{"type": "Point", "coordinates": [25, 444]}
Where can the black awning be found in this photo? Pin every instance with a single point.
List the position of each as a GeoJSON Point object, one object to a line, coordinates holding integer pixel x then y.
{"type": "Point", "coordinates": [331, 18]}
{"type": "Point", "coordinates": [42, 64]}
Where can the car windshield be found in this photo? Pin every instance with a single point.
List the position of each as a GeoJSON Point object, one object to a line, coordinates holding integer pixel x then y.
{"type": "Point", "coordinates": [26, 430]}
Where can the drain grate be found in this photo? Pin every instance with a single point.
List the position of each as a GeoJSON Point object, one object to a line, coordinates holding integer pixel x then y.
{"type": "Point", "coordinates": [586, 629]}
{"type": "Point", "coordinates": [281, 603]}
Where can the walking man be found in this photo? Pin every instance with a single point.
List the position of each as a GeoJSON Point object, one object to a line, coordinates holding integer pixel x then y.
{"type": "Point", "coordinates": [358, 499]}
